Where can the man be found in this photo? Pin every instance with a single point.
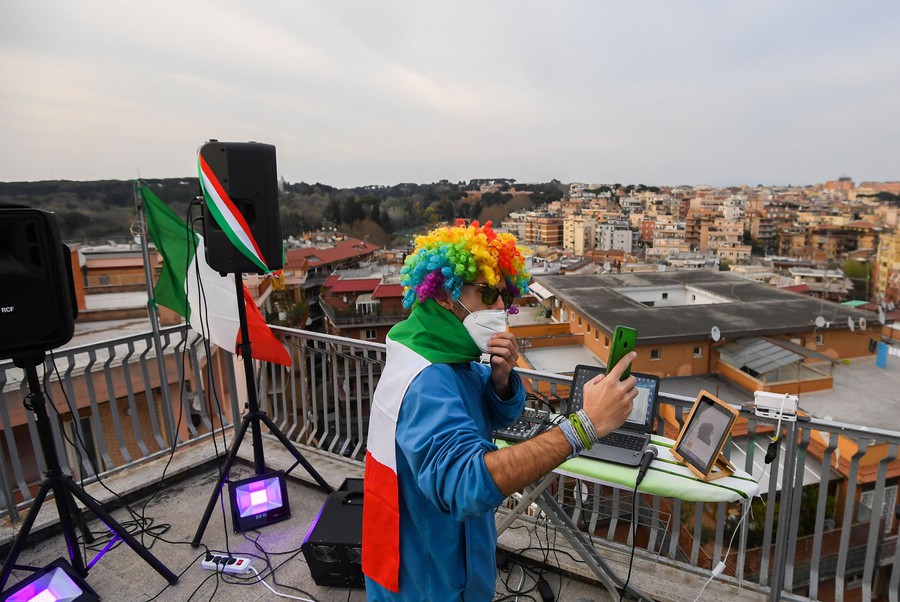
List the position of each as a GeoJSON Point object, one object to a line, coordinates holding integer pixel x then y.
{"type": "Point", "coordinates": [433, 475]}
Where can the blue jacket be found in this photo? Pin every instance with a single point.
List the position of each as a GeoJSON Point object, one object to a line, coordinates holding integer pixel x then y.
{"type": "Point", "coordinates": [447, 496]}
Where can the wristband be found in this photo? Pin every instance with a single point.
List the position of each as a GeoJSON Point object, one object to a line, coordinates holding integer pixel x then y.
{"type": "Point", "coordinates": [588, 426]}
{"type": "Point", "coordinates": [571, 436]}
{"type": "Point", "coordinates": [579, 430]}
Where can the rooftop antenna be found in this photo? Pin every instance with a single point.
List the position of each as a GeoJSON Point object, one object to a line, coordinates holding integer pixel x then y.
{"type": "Point", "coordinates": [715, 334]}
{"type": "Point", "coordinates": [820, 321]}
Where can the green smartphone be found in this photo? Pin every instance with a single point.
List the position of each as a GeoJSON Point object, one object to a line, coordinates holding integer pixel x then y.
{"type": "Point", "coordinates": [624, 341]}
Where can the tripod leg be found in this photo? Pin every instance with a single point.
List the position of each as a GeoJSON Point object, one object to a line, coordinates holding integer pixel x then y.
{"type": "Point", "coordinates": [217, 490]}
{"type": "Point", "coordinates": [296, 453]}
{"type": "Point", "coordinates": [65, 505]}
{"type": "Point", "coordinates": [19, 542]}
{"type": "Point", "coordinates": [116, 528]}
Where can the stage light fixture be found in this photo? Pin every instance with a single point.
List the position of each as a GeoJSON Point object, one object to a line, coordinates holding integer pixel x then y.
{"type": "Point", "coordinates": [258, 501]}
{"type": "Point", "coordinates": [56, 582]}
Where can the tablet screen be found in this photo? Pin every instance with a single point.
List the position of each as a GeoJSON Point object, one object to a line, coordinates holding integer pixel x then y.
{"type": "Point", "coordinates": [704, 434]}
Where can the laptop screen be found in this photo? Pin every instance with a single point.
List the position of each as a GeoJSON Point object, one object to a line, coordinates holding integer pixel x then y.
{"type": "Point", "coordinates": [644, 405]}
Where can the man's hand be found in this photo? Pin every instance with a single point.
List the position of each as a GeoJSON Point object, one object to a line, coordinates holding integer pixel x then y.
{"type": "Point", "coordinates": [504, 350]}
{"type": "Point", "coordinates": [607, 400]}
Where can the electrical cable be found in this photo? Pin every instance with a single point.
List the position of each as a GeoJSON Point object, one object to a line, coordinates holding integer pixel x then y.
{"type": "Point", "coordinates": [138, 520]}
{"type": "Point", "coordinates": [269, 587]}
{"type": "Point", "coordinates": [634, 526]}
{"type": "Point", "coordinates": [720, 567]}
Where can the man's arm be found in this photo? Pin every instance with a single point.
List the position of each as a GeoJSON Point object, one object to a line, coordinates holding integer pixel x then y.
{"type": "Point", "coordinates": [607, 401]}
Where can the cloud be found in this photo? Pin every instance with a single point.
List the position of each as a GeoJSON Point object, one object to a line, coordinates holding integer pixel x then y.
{"type": "Point", "coordinates": [358, 92]}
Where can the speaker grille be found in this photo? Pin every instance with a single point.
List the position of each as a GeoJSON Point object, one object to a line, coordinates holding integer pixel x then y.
{"type": "Point", "coordinates": [36, 298]}
{"type": "Point", "coordinates": [327, 554]}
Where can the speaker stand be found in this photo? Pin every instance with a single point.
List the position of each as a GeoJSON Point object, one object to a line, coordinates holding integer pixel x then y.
{"type": "Point", "coordinates": [65, 490]}
{"type": "Point", "coordinates": [252, 420]}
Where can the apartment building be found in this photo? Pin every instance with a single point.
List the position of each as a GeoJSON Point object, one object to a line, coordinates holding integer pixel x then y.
{"type": "Point", "coordinates": [362, 304]}
{"type": "Point", "coordinates": [544, 229]}
{"type": "Point", "coordinates": [675, 312]}
{"type": "Point", "coordinates": [887, 269]}
{"type": "Point", "coordinates": [615, 235]}
{"type": "Point", "coordinates": [579, 234]}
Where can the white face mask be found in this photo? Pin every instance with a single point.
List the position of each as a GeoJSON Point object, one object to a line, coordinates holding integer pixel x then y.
{"type": "Point", "coordinates": [482, 324]}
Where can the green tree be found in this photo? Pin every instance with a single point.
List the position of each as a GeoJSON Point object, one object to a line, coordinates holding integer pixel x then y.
{"type": "Point", "coordinates": [860, 273]}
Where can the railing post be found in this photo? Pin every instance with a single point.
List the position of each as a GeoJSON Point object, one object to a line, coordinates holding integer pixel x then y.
{"type": "Point", "coordinates": [783, 533]}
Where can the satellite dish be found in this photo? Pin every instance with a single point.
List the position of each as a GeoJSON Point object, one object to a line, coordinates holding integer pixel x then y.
{"type": "Point", "coordinates": [820, 321]}
{"type": "Point", "coordinates": [850, 323]}
{"type": "Point", "coordinates": [715, 334]}
{"type": "Point", "coordinates": [862, 323]}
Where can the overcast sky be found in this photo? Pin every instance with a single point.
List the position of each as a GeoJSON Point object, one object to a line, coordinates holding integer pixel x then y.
{"type": "Point", "coordinates": [375, 92]}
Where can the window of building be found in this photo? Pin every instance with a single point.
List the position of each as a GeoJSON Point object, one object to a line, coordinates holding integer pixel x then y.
{"type": "Point", "coordinates": [589, 328]}
{"type": "Point", "coordinates": [698, 351]}
{"type": "Point", "coordinates": [370, 334]}
{"type": "Point", "coordinates": [579, 320]}
{"type": "Point", "coordinates": [665, 295]}
{"type": "Point", "coordinates": [606, 341]}
{"type": "Point", "coordinates": [596, 335]}
{"type": "Point", "coordinates": [656, 354]}
{"type": "Point", "coordinates": [867, 500]}
{"type": "Point", "coordinates": [820, 339]}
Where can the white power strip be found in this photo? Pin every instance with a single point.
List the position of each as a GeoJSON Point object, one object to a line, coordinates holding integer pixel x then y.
{"type": "Point", "coordinates": [235, 565]}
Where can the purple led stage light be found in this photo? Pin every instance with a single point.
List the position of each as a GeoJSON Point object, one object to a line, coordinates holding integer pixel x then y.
{"type": "Point", "coordinates": [57, 582]}
{"type": "Point", "coordinates": [258, 501]}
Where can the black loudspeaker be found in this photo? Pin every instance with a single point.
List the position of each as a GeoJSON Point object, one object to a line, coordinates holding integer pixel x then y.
{"type": "Point", "coordinates": [333, 547]}
{"type": "Point", "coordinates": [248, 175]}
{"type": "Point", "coordinates": [37, 299]}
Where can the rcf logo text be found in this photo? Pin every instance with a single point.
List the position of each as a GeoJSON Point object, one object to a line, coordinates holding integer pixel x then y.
{"type": "Point", "coordinates": [7, 310]}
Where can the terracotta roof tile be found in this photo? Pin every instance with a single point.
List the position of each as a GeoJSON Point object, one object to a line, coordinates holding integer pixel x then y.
{"type": "Point", "coordinates": [356, 285]}
{"type": "Point", "coordinates": [388, 290]}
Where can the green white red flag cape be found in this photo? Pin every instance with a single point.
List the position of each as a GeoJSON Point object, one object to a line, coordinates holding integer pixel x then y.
{"type": "Point", "coordinates": [207, 300]}
{"type": "Point", "coordinates": [431, 335]}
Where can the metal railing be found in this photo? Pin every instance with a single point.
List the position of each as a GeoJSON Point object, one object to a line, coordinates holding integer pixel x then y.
{"type": "Point", "coordinates": [806, 541]}
{"type": "Point", "coordinates": [111, 405]}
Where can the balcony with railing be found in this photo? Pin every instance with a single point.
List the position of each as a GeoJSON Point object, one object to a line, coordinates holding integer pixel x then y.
{"type": "Point", "coordinates": [825, 527]}
{"type": "Point", "coordinates": [353, 316]}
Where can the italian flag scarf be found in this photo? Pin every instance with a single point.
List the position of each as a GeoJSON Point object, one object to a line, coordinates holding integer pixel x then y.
{"type": "Point", "coordinates": [431, 335]}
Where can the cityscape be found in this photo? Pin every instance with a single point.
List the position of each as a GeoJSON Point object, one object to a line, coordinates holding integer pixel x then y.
{"type": "Point", "coordinates": [719, 177]}
{"type": "Point", "coordinates": [738, 291]}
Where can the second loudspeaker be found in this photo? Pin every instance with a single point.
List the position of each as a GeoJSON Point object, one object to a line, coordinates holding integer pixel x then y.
{"type": "Point", "coordinates": [248, 176]}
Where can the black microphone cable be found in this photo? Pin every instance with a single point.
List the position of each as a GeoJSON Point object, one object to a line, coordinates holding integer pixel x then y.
{"type": "Point", "coordinates": [649, 454]}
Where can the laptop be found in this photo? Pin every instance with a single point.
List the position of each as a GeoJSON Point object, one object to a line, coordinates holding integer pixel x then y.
{"type": "Point", "coordinates": [625, 445]}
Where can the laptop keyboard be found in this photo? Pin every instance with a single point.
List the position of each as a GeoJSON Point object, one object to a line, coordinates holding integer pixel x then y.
{"type": "Point", "coordinates": [624, 440]}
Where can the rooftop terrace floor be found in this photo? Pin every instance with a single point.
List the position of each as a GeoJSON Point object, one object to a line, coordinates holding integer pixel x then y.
{"type": "Point", "coordinates": [121, 575]}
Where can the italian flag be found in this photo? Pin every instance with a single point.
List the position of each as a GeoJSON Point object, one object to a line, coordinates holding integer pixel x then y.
{"type": "Point", "coordinates": [207, 300]}
{"type": "Point", "coordinates": [431, 335]}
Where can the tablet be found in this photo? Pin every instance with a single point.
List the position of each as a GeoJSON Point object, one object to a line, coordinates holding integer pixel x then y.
{"type": "Point", "coordinates": [700, 443]}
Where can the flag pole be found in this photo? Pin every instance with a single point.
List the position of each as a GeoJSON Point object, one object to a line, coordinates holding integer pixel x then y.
{"type": "Point", "coordinates": [154, 318]}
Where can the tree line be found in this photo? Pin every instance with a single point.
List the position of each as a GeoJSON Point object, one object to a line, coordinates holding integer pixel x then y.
{"type": "Point", "coordinates": [97, 211]}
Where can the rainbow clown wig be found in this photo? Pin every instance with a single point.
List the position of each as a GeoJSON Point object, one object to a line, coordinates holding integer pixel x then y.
{"type": "Point", "coordinates": [447, 257]}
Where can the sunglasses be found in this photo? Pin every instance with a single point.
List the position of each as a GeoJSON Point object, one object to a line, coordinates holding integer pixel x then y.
{"type": "Point", "coordinates": [489, 294]}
